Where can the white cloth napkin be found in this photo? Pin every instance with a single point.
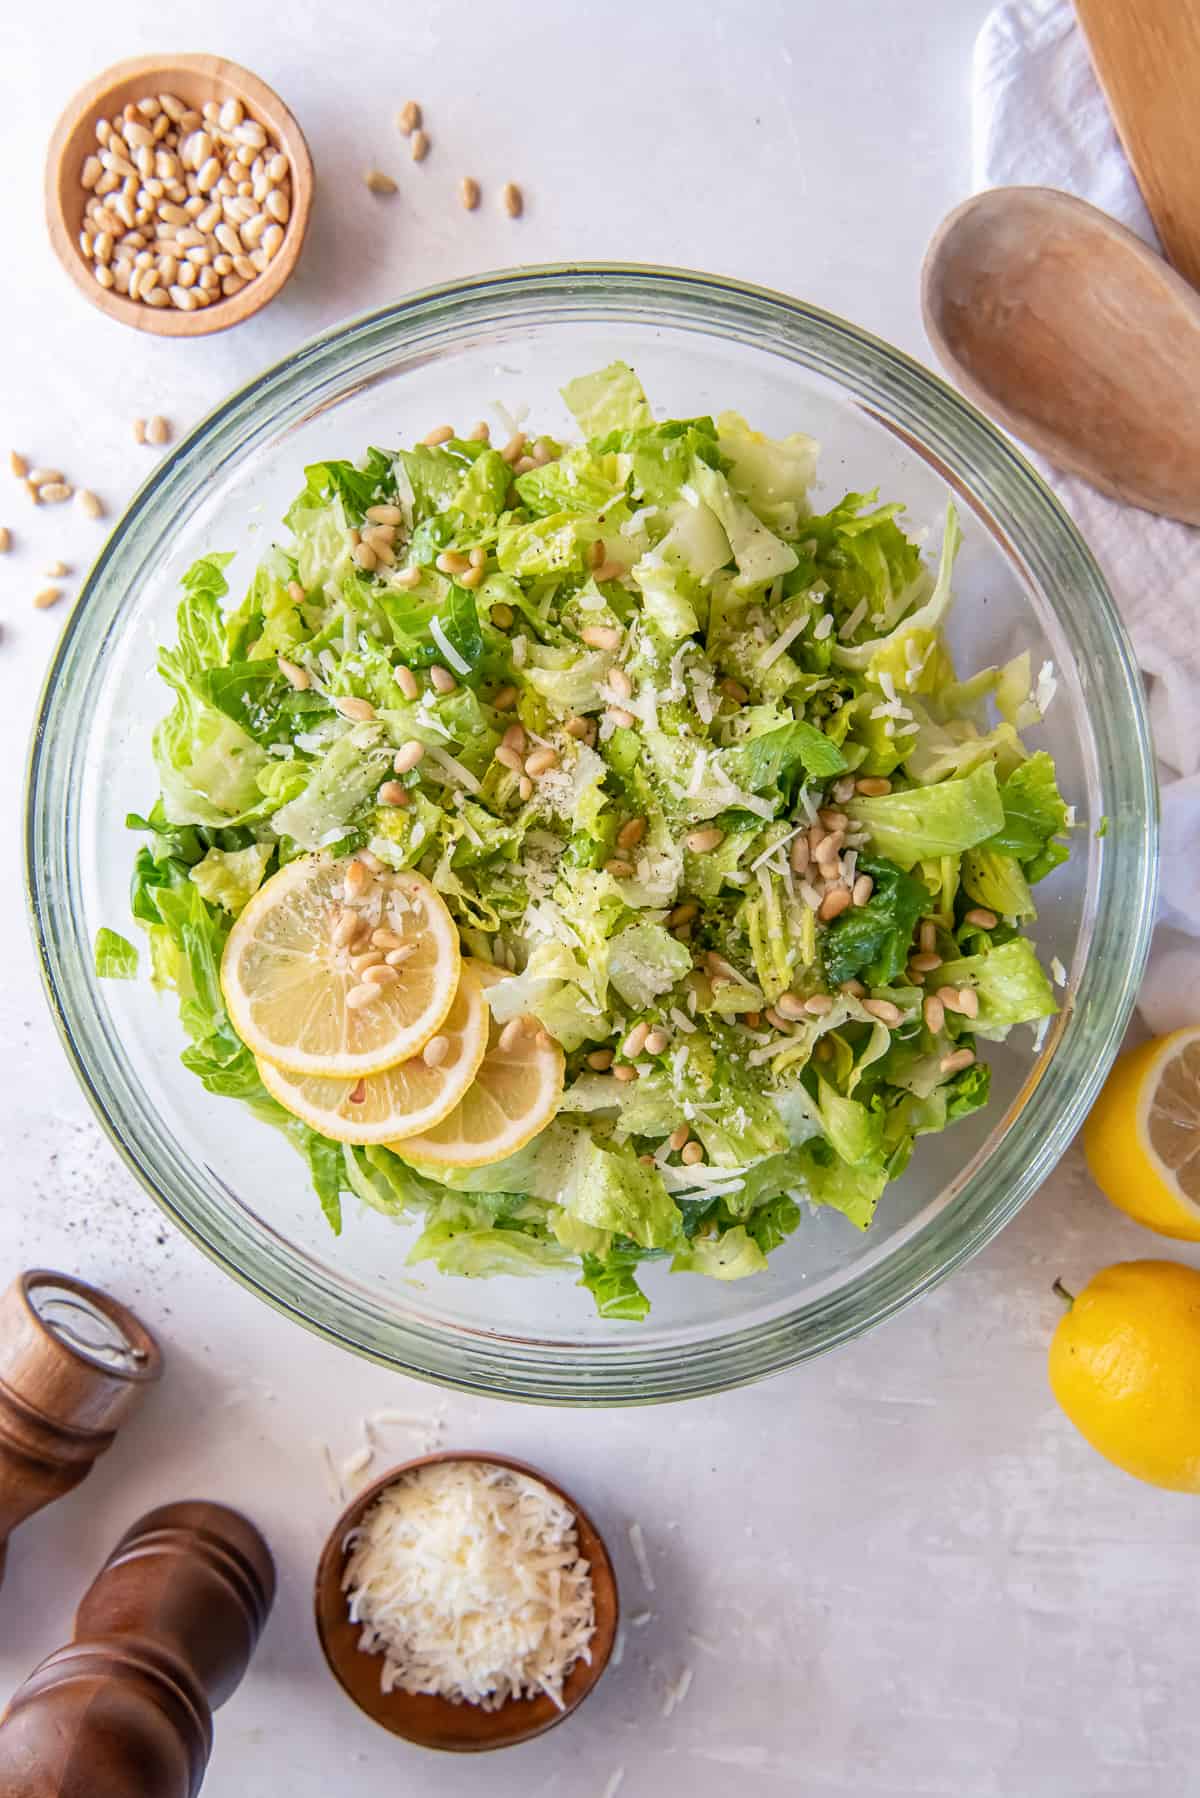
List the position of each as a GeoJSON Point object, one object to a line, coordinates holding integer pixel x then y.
{"type": "Point", "coordinates": [1041, 119]}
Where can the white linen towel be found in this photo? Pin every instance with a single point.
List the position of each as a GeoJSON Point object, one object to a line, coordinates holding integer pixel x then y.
{"type": "Point", "coordinates": [1041, 119]}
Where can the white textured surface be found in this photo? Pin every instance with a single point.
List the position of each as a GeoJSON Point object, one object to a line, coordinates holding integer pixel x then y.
{"type": "Point", "coordinates": [917, 1580]}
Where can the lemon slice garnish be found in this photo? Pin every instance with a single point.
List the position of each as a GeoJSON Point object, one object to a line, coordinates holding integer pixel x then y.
{"type": "Point", "coordinates": [399, 1101]}
{"type": "Point", "coordinates": [337, 969]}
{"type": "Point", "coordinates": [513, 1096]}
{"type": "Point", "coordinates": [1142, 1139]}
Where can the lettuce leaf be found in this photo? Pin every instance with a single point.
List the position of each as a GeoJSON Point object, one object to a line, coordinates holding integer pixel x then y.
{"type": "Point", "coordinates": [1010, 983]}
{"type": "Point", "coordinates": [873, 940]}
{"type": "Point", "coordinates": [114, 956]}
{"type": "Point", "coordinates": [1034, 816]}
{"type": "Point", "coordinates": [609, 400]}
{"type": "Point", "coordinates": [923, 823]}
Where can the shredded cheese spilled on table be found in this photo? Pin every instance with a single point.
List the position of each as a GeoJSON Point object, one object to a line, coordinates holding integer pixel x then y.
{"type": "Point", "coordinates": [468, 1579]}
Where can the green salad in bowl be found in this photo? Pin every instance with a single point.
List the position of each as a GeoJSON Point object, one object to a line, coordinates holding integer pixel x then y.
{"type": "Point", "coordinates": [681, 770]}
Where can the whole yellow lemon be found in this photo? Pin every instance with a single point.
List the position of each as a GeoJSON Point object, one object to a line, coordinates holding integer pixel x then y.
{"type": "Point", "coordinates": [1125, 1367]}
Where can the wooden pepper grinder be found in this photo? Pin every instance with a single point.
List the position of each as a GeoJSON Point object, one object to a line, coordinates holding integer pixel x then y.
{"type": "Point", "coordinates": [73, 1364]}
{"type": "Point", "coordinates": [163, 1636]}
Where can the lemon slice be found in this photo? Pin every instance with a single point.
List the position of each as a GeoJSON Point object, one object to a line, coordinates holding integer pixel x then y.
{"type": "Point", "coordinates": [514, 1096]}
{"type": "Point", "coordinates": [401, 1100]}
{"type": "Point", "coordinates": [1142, 1139]}
{"type": "Point", "coordinates": [294, 971]}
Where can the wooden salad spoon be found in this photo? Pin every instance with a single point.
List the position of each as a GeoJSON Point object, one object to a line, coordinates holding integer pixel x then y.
{"type": "Point", "coordinates": [1077, 337]}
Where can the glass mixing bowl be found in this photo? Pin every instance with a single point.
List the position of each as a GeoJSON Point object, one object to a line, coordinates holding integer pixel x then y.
{"type": "Point", "coordinates": [1024, 581]}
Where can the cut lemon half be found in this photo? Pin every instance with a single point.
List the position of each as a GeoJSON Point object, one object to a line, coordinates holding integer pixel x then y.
{"type": "Point", "coordinates": [513, 1097]}
{"type": "Point", "coordinates": [1142, 1139]}
{"type": "Point", "coordinates": [398, 1101]}
{"type": "Point", "coordinates": [294, 970]}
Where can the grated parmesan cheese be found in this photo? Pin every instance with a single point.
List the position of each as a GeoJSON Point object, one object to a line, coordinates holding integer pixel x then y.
{"type": "Point", "coordinates": [467, 1578]}
{"type": "Point", "coordinates": [823, 628]}
{"type": "Point", "coordinates": [783, 642]}
{"type": "Point", "coordinates": [447, 648]}
{"type": "Point", "coordinates": [852, 623]}
{"type": "Point", "coordinates": [637, 1542]}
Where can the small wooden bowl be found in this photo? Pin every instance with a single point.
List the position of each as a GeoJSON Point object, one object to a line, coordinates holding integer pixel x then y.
{"type": "Point", "coordinates": [193, 79]}
{"type": "Point", "coordinates": [435, 1722]}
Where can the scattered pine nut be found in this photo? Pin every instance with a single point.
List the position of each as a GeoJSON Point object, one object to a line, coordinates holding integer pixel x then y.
{"type": "Point", "coordinates": [409, 117]}
{"type": "Point", "coordinates": [926, 962]}
{"type": "Point", "coordinates": [56, 570]}
{"type": "Point", "coordinates": [45, 477]}
{"type": "Point", "coordinates": [800, 854]}
{"type": "Point", "coordinates": [90, 503]}
{"type": "Point", "coordinates": [980, 916]}
{"type": "Point", "coordinates": [439, 434]}
{"type": "Point", "coordinates": [408, 755]}
{"type": "Point", "coordinates": [834, 904]}
{"type": "Point", "coordinates": [525, 787]}
{"type": "Point", "coordinates": [380, 974]}
{"type": "Point", "coordinates": [379, 183]}
{"type": "Point", "coordinates": [49, 596]}
{"type": "Point", "coordinates": [620, 683]}
{"type": "Point", "coordinates": [818, 1005]}
{"type": "Point", "coordinates": [505, 699]}
{"type": "Point", "coordinates": [442, 680]}
{"type": "Point", "coordinates": [345, 928]}
{"type": "Point", "coordinates": [601, 1060]}
{"type": "Point", "coordinates": [396, 958]}
{"type": "Point", "coordinates": [600, 636]}
{"type": "Point", "coordinates": [968, 1001]}
{"type": "Point", "coordinates": [34, 492]}
{"type": "Point", "coordinates": [656, 1042]}
{"type": "Point", "coordinates": [934, 1013]}
{"type": "Point", "coordinates": [790, 1006]}
{"type": "Point", "coordinates": [435, 1051]}
{"type": "Point", "coordinates": [692, 1154]}
{"type": "Point", "coordinates": [678, 1137]}
{"type": "Point", "coordinates": [870, 787]}
{"type": "Point", "coordinates": [862, 889]}
{"type": "Point", "coordinates": [468, 193]}
{"type": "Point", "coordinates": [17, 465]}
{"type": "Point", "coordinates": [359, 711]}
{"type": "Point", "coordinates": [625, 1072]}
{"type": "Point", "coordinates": [392, 793]}
{"type": "Point", "coordinates": [418, 147]}
{"type": "Point", "coordinates": [5, 540]}
{"type": "Point", "coordinates": [512, 200]}
{"type": "Point", "coordinates": [631, 833]}
{"type": "Point", "coordinates": [928, 937]}
{"type": "Point", "coordinates": [956, 1062]}
{"type": "Point", "coordinates": [139, 430]}
{"type": "Point", "coordinates": [702, 842]}
{"type": "Point", "coordinates": [541, 761]}
{"type": "Point", "coordinates": [158, 430]}
{"type": "Point", "coordinates": [885, 1011]}
{"type": "Point", "coordinates": [406, 680]}
{"type": "Point", "coordinates": [358, 996]}
{"type": "Point", "coordinates": [684, 914]}
{"type": "Point", "coordinates": [619, 869]}
{"type": "Point", "coordinates": [54, 492]}
{"type": "Point", "coordinates": [618, 714]}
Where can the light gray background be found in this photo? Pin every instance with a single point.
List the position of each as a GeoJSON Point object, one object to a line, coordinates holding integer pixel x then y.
{"type": "Point", "coordinates": [916, 1579]}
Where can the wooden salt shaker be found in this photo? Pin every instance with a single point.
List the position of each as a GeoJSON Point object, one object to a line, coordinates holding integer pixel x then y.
{"type": "Point", "coordinates": [73, 1364]}
{"type": "Point", "coordinates": [163, 1636]}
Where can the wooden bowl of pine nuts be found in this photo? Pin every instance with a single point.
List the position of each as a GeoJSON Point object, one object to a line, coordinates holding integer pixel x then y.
{"type": "Point", "coordinates": [178, 192]}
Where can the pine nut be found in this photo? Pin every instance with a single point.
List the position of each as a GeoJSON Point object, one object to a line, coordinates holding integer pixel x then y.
{"type": "Point", "coordinates": [872, 787]}
{"type": "Point", "coordinates": [508, 758]}
{"type": "Point", "coordinates": [980, 916]}
{"type": "Point", "coordinates": [884, 1010]}
{"type": "Point", "coordinates": [790, 1006]}
{"type": "Point", "coordinates": [359, 711]}
{"type": "Point", "coordinates": [928, 936]}
{"type": "Point", "coordinates": [439, 434]}
{"type": "Point", "coordinates": [692, 1154]}
{"type": "Point", "coordinates": [950, 998]}
{"type": "Point", "coordinates": [479, 433]}
{"type": "Point", "coordinates": [514, 738]}
{"type": "Point", "coordinates": [385, 515]}
{"type": "Point", "coordinates": [577, 727]}
{"type": "Point", "coordinates": [610, 571]}
{"type": "Point", "coordinates": [502, 616]}
{"type": "Point", "coordinates": [5, 540]}
{"type": "Point", "coordinates": [957, 1061]}
{"type": "Point", "coordinates": [702, 842]}
{"type": "Point", "coordinates": [934, 1013]}
{"type": "Point", "coordinates": [406, 680]}
{"type": "Point", "coordinates": [818, 1005]}
{"type": "Point", "coordinates": [409, 117]}
{"type": "Point", "coordinates": [678, 1137]}
{"type": "Point", "coordinates": [832, 819]}
{"type": "Point", "coordinates": [49, 596]}
{"type": "Point", "coordinates": [619, 869]}
{"type": "Point", "coordinates": [364, 556]}
{"type": "Point", "coordinates": [733, 689]}
{"type": "Point", "coordinates": [800, 854]}
{"type": "Point", "coordinates": [925, 963]}
{"type": "Point", "coordinates": [54, 492]}
{"type": "Point", "coordinates": [684, 914]}
{"type": "Point", "coordinates": [620, 683]}
{"type": "Point", "coordinates": [392, 793]}
{"type": "Point", "coordinates": [17, 465]}
{"type": "Point", "coordinates": [409, 755]}
{"type": "Point", "coordinates": [631, 833]}
{"type": "Point", "coordinates": [968, 1001]}
{"type": "Point", "coordinates": [379, 183]}
{"type": "Point", "coordinates": [625, 720]}
{"type": "Point", "coordinates": [854, 989]}
{"type": "Point", "coordinates": [512, 200]}
{"type": "Point", "coordinates": [601, 636]}
{"type": "Point", "coordinates": [541, 761]}
{"type": "Point", "coordinates": [418, 145]}
{"type": "Point", "coordinates": [843, 789]}
{"type": "Point", "coordinates": [601, 1060]}
{"type": "Point", "coordinates": [396, 958]}
{"type": "Point", "coordinates": [513, 448]}
{"type": "Point", "coordinates": [357, 880]}
{"type": "Point", "coordinates": [383, 938]}
{"type": "Point", "coordinates": [833, 905]}
{"type": "Point", "coordinates": [442, 680]}
{"type": "Point", "coordinates": [295, 675]}
{"type": "Point", "coordinates": [451, 562]}
{"type": "Point", "coordinates": [345, 928]}
{"type": "Point", "coordinates": [505, 699]}
{"type": "Point", "coordinates": [625, 1072]}
{"type": "Point", "coordinates": [468, 193]}
{"type": "Point", "coordinates": [831, 846]}
{"type": "Point", "coordinates": [862, 889]}
{"type": "Point", "coordinates": [158, 430]}
{"type": "Point", "coordinates": [656, 1042]}
{"type": "Point", "coordinates": [380, 974]}
{"type": "Point", "coordinates": [435, 1051]}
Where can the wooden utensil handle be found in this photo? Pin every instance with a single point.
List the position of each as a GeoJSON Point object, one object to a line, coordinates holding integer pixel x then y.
{"type": "Point", "coordinates": [162, 1637]}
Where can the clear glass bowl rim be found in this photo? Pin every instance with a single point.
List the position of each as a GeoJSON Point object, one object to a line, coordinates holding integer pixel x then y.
{"type": "Point", "coordinates": [1036, 532]}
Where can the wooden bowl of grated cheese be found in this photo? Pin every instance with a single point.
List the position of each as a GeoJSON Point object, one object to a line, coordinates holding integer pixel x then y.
{"type": "Point", "coordinates": [428, 1625]}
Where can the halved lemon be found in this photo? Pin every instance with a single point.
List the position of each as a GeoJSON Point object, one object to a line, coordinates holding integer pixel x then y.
{"type": "Point", "coordinates": [398, 1101]}
{"type": "Point", "coordinates": [513, 1096]}
{"type": "Point", "coordinates": [1142, 1140]}
{"type": "Point", "coordinates": [301, 998]}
